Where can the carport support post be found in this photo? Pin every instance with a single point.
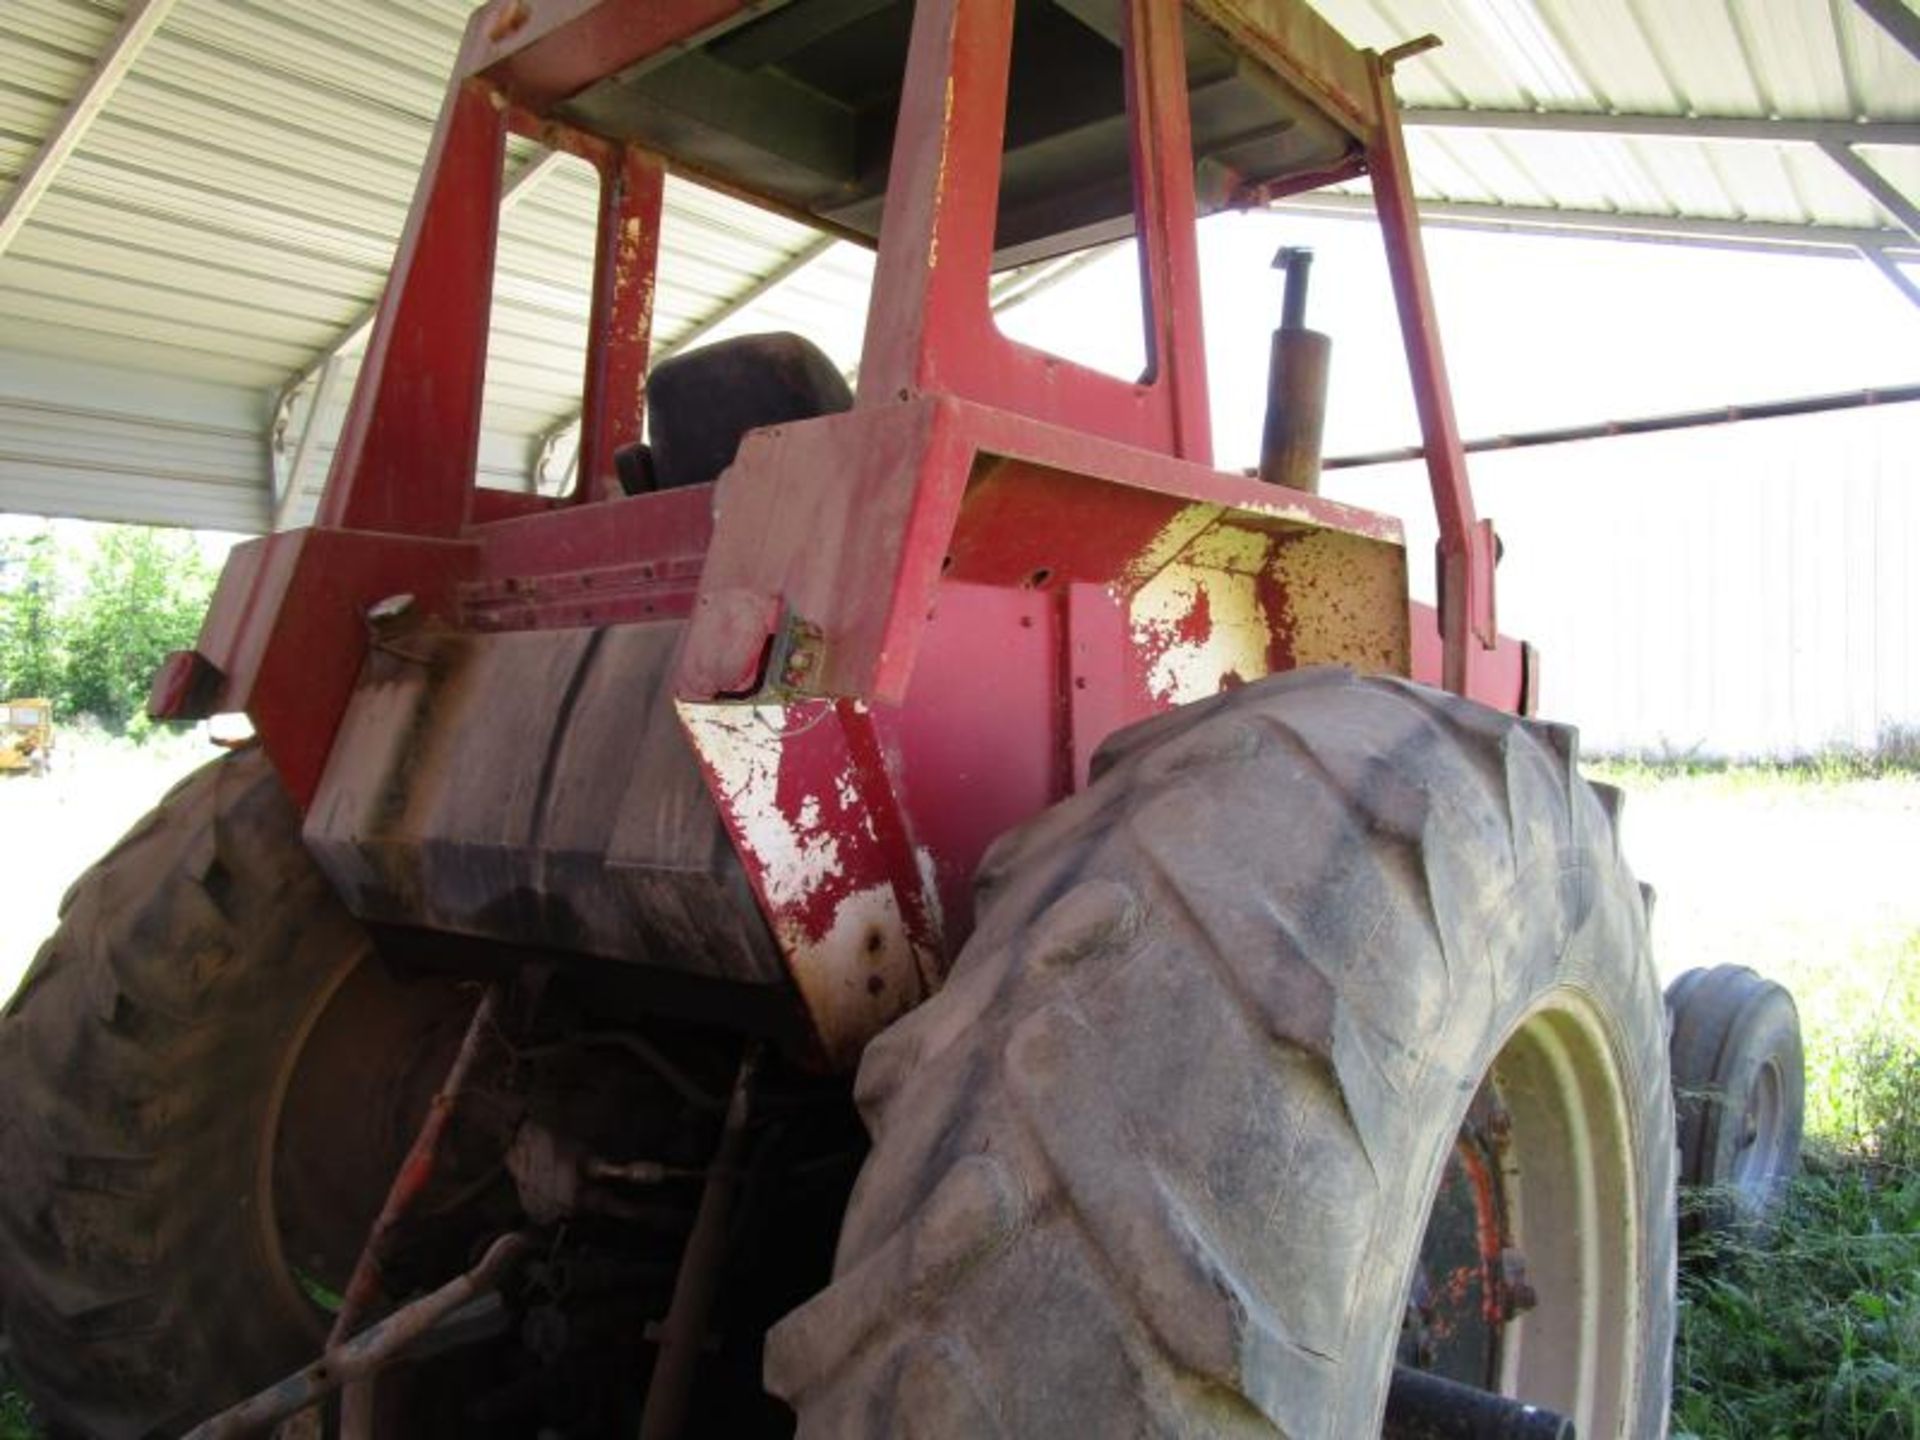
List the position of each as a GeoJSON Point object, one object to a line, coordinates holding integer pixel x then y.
{"type": "Point", "coordinates": [1883, 262]}
{"type": "Point", "coordinates": [323, 390]}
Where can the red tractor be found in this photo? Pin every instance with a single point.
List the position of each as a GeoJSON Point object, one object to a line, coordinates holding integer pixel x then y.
{"type": "Point", "coordinates": [934, 902]}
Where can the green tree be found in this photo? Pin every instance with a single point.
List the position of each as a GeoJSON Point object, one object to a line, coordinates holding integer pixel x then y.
{"type": "Point", "coordinates": [31, 650]}
{"type": "Point", "coordinates": [143, 594]}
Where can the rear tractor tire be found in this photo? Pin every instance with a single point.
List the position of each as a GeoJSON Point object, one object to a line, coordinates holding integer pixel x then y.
{"type": "Point", "coordinates": [1319, 1034]}
{"type": "Point", "coordinates": [205, 1085]}
{"type": "Point", "coordinates": [1739, 1086]}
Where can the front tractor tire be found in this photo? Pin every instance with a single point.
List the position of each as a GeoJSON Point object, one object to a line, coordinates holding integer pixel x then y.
{"type": "Point", "coordinates": [204, 1086]}
{"type": "Point", "coordinates": [1163, 1156]}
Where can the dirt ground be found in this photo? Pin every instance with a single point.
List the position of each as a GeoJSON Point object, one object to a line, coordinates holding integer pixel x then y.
{"type": "Point", "coordinates": [1808, 880]}
{"type": "Point", "coordinates": [58, 824]}
{"type": "Point", "coordinates": [1813, 882]}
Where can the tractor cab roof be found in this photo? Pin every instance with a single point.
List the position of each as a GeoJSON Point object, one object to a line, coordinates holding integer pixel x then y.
{"type": "Point", "coordinates": [795, 105]}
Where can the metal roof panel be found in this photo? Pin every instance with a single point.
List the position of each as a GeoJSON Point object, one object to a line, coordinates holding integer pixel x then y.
{"type": "Point", "coordinates": [1615, 52]}
{"type": "Point", "coordinates": [232, 213]}
{"type": "Point", "coordinates": [1884, 74]}
{"type": "Point", "coordinates": [1699, 48]}
{"type": "Point", "coordinates": [1796, 57]}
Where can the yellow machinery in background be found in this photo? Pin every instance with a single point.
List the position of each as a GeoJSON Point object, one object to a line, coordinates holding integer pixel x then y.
{"type": "Point", "coordinates": [26, 736]}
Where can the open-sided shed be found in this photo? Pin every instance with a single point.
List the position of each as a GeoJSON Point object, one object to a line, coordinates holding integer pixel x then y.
{"type": "Point", "coordinates": [204, 195]}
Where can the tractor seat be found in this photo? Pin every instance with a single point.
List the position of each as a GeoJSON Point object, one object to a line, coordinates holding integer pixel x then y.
{"type": "Point", "coordinates": [701, 404]}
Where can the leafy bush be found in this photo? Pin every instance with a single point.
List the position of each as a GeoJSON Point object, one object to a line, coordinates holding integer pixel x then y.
{"type": "Point", "coordinates": [1881, 1104]}
{"type": "Point", "coordinates": [86, 619]}
{"type": "Point", "coordinates": [30, 650]}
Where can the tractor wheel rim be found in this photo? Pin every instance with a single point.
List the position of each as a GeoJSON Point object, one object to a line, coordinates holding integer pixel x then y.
{"type": "Point", "coordinates": [292, 1294]}
{"type": "Point", "coordinates": [1761, 1138]}
{"type": "Point", "coordinates": [1559, 1241]}
{"type": "Point", "coordinates": [395, 1080]}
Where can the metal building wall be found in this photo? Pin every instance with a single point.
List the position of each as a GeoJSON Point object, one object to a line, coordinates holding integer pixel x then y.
{"type": "Point", "coordinates": [1743, 590]}
{"type": "Point", "coordinates": [101, 443]}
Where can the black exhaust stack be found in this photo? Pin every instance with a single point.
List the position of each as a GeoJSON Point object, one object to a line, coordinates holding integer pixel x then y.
{"type": "Point", "coordinates": [1296, 385]}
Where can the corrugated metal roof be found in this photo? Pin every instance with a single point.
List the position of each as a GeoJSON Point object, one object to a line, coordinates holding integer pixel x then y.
{"type": "Point", "coordinates": [229, 216]}
{"type": "Point", "coordinates": [1760, 60]}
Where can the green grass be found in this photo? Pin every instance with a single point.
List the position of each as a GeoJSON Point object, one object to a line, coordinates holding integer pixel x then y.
{"type": "Point", "coordinates": [1861, 1040]}
{"type": "Point", "coordinates": [1815, 1331]}
{"type": "Point", "coordinates": [1898, 753]}
{"type": "Point", "coordinates": [1803, 871]}
{"type": "Point", "coordinates": [16, 1416]}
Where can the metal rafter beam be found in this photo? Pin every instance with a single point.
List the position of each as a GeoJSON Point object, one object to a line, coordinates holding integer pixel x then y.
{"type": "Point", "coordinates": [1761, 235]}
{"type": "Point", "coordinates": [141, 23]}
{"type": "Point", "coordinates": [323, 371]}
{"type": "Point", "coordinates": [1670, 127]}
{"type": "Point", "coordinates": [1898, 19]}
{"type": "Point", "coordinates": [1884, 192]}
{"type": "Point", "coordinates": [1883, 248]}
{"type": "Point", "coordinates": [1889, 267]}
{"type": "Point", "coordinates": [1649, 424]}
{"type": "Point", "coordinates": [801, 259]}
{"type": "Point", "coordinates": [1031, 282]}
{"type": "Point", "coordinates": [517, 187]}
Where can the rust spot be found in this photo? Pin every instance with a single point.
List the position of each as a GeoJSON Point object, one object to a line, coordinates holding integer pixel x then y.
{"type": "Point", "coordinates": [511, 19]}
{"type": "Point", "coordinates": [1345, 600]}
{"type": "Point", "coordinates": [875, 942]}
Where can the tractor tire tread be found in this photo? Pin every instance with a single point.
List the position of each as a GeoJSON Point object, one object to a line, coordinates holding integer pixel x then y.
{"type": "Point", "coordinates": [130, 1208]}
{"type": "Point", "coordinates": [1027, 1212]}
